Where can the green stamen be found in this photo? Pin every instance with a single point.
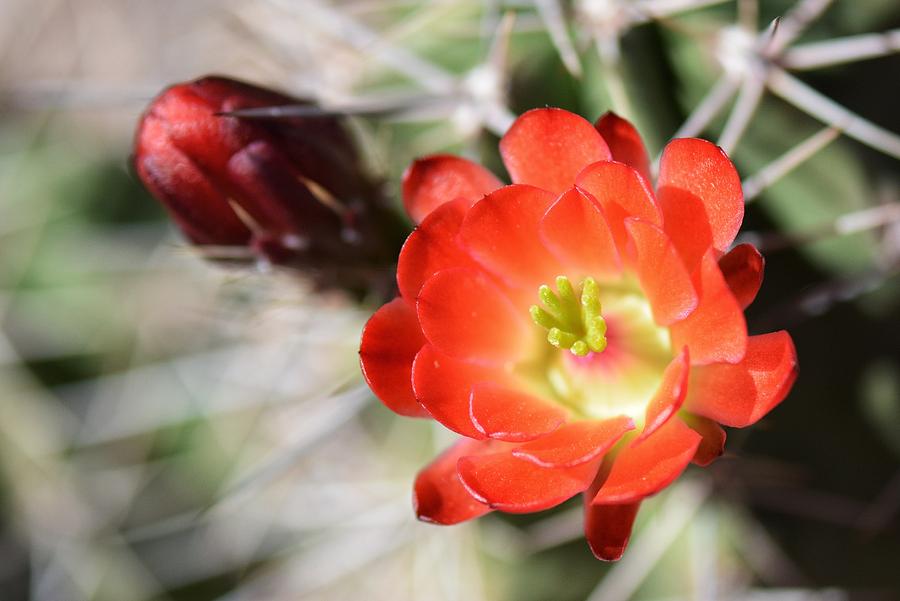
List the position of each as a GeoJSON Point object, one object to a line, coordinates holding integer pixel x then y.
{"type": "Point", "coordinates": [572, 323]}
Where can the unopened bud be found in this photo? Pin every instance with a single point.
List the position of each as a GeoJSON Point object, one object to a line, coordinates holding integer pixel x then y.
{"type": "Point", "coordinates": [291, 190]}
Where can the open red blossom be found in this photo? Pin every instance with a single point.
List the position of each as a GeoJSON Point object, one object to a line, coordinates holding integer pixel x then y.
{"type": "Point", "coordinates": [581, 332]}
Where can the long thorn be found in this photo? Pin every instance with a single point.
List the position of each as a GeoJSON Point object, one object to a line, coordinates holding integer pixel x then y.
{"type": "Point", "coordinates": [787, 162]}
{"type": "Point", "coordinates": [655, 9]}
{"type": "Point", "coordinates": [747, 102]}
{"type": "Point", "coordinates": [795, 23]}
{"type": "Point", "coordinates": [551, 13]}
{"type": "Point", "coordinates": [387, 106]}
{"type": "Point", "coordinates": [498, 53]}
{"type": "Point", "coordinates": [610, 53]}
{"type": "Point", "coordinates": [709, 107]}
{"type": "Point", "coordinates": [428, 75]}
{"type": "Point", "coordinates": [849, 223]}
{"type": "Point", "coordinates": [748, 14]}
{"type": "Point", "coordinates": [842, 50]}
{"type": "Point", "coordinates": [821, 107]}
{"type": "Point", "coordinates": [818, 300]}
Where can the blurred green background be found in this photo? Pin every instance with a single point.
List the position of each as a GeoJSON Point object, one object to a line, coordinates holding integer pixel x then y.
{"type": "Point", "coordinates": [170, 429]}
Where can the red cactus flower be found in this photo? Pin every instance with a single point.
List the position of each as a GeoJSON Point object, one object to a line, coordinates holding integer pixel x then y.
{"type": "Point", "coordinates": [582, 334]}
{"type": "Point", "coordinates": [292, 190]}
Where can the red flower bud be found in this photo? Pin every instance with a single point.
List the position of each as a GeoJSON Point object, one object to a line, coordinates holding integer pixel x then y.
{"type": "Point", "coordinates": [290, 189]}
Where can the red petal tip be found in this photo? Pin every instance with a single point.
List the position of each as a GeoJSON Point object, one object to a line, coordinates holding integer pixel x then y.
{"type": "Point", "coordinates": [548, 147]}
{"type": "Point", "coordinates": [438, 494]}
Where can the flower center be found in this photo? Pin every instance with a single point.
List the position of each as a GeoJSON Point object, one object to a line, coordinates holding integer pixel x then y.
{"type": "Point", "coordinates": [572, 320]}
{"type": "Point", "coordinates": [607, 365]}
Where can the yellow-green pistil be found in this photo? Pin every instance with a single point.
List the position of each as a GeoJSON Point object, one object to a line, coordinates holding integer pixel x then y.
{"type": "Point", "coordinates": [572, 323]}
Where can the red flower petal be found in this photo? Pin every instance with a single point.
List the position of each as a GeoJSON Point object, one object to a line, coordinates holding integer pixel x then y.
{"type": "Point", "coordinates": [507, 414]}
{"type": "Point", "coordinates": [575, 443]}
{"type": "Point", "coordinates": [443, 385]}
{"type": "Point", "coordinates": [501, 233]}
{"type": "Point", "coordinates": [624, 142]}
{"type": "Point", "coordinates": [438, 495]}
{"type": "Point", "coordinates": [193, 201]}
{"type": "Point", "coordinates": [195, 128]}
{"type": "Point", "coordinates": [622, 193]}
{"type": "Point", "coordinates": [647, 468]}
{"type": "Point", "coordinates": [743, 267]}
{"type": "Point", "coordinates": [701, 197]}
{"type": "Point", "coordinates": [716, 331]}
{"type": "Point", "coordinates": [608, 528]}
{"type": "Point", "coordinates": [271, 191]}
{"type": "Point", "coordinates": [575, 223]}
{"type": "Point", "coordinates": [669, 396]}
{"type": "Point", "coordinates": [464, 314]}
{"type": "Point", "coordinates": [389, 344]}
{"type": "Point", "coordinates": [739, 395]}
{"type": "Point", "coordinates": [431, 181]}
{"type": "Point", "coordinates": [713, 443]}
{"type": "Point", "coordinates": [518, 486]}
{"type": "Point", "coordinates": [432, 247]}
{"type": "Point", "coordinates": [548, 147]}
{"type": "Point", "coordinates": [664, 278]}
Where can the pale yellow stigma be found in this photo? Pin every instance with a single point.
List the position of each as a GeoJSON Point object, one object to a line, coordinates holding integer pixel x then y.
{"type": "Point", "coordinates": [572, 323]}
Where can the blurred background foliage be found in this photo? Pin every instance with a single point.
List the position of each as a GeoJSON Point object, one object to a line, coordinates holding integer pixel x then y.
{"type": "Point", "coordinates": [170, 429]}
